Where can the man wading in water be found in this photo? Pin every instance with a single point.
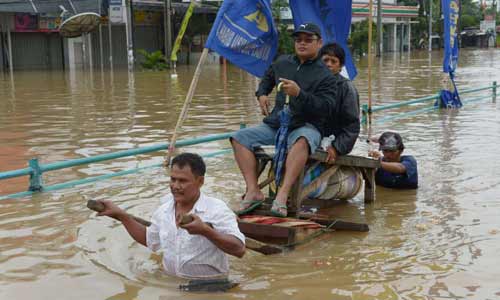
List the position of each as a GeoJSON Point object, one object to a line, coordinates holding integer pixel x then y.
{"type": "Point", "coordinates": [196, 249]}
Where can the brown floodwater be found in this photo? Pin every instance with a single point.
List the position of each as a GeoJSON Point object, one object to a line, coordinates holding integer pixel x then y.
{"type": "Point", "coordinates": [439, 242]}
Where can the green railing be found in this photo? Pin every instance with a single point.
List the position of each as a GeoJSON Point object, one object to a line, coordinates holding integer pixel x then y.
{"type": "Point", "coordinates": [365, 111]}
{"type": "Point", "coordinates": [35, 170]}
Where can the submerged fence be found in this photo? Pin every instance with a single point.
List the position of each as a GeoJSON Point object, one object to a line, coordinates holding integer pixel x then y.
{"type": "Point", "coordinates": [365, 111]}
{"type": "Point", "coordinates": [35, 170]}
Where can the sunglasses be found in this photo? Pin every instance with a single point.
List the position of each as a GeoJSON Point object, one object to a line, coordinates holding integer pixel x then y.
{"type": "Point", "coordinates": [306, 40]}
{"type": "Point", "coordinates": [390, 151]}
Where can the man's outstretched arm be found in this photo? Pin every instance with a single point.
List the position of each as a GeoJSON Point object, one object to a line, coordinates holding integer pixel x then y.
{"type": "Point", "coordinates": [136, 230]}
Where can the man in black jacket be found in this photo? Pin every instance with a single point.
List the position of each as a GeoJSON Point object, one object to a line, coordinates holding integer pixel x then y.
{"type": "Point", "coordinates": [312, 91]}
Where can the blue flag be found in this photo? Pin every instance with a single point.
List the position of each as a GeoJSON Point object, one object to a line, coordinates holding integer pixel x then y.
{"type": "Point", "coordinates": [334, 19]}
{"type": "Point", "coordinates": [244, 33]}
{"type": "Point", "coordinates": [450, 12]}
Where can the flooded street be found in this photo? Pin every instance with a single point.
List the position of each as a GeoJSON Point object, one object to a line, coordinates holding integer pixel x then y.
{"type": "Point", "coordinates": [439, 242]}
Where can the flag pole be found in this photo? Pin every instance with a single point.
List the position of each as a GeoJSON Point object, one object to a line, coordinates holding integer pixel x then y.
{"type": "Point", "coordinates": [187, 102]}
{"type": "Point", "coordinates": [370, 22]}
{"type": "Point", "coordinates": [178, 39]}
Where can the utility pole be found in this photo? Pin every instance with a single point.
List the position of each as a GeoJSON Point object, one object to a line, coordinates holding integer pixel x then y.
{"type": "Point", "coordinates": [128, 29]}
{"type": "Point", "coordinates": [494, 4]}
{"type": "Point", "coordinates": [167, 25]}
{"type": "Point", "coordinates": [379, 27]}
{"type": "Point", "coordinates": [430, 25]}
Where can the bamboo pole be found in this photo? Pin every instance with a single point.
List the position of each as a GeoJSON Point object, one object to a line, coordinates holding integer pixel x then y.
{"type": "Point", "coordinates": [187, 102]}
{"type": "Point", "coordinates": [370, 24]}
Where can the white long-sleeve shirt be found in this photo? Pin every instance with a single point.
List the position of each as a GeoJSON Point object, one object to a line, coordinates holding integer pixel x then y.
{"type": "Point", "coordinates": [192, 256]}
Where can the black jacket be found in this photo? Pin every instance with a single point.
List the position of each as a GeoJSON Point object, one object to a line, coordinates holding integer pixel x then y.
{"type": "Point", "coordinates": [344, 121]}
{"type": "Point", "coordinates": [317, 92]}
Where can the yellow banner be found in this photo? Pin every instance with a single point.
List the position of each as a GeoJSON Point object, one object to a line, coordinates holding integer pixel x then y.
{"type": "Point", "coordinates": [184, 25]}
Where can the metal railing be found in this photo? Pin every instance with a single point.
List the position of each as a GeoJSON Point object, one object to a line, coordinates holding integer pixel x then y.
{"type": "Point", "coordinates": [365, 111]}
{"type": "Point", "coordinates": [35, 170]}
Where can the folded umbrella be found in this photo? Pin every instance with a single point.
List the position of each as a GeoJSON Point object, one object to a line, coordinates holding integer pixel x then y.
{"type": "Point", "coordinates": [282, 140]}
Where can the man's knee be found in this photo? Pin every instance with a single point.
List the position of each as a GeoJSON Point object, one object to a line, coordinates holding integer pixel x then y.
{"type": "Point", "coordinates": [302, 144]}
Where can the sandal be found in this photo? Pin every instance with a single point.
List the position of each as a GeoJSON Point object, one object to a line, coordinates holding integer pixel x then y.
{"type": "Point", "coordinates": [279, 210]}
{"type": "Point", "coordinates": [247, 206]}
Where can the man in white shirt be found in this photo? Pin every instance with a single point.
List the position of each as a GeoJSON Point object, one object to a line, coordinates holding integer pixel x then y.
{"type": "Point", "coordinates": [196, 249]}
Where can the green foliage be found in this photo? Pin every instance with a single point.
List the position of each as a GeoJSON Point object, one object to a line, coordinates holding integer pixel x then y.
{"type": "Point", "coordinates": [153, 61]}
{"type": "Point", "coordinates": [469, 21]}
{"type": "Point", "coordinates": [359, 37]}
{"type": "Point", "coordinates": [285, 41]}
{"type": "Point", "coordinates": [471, 14]}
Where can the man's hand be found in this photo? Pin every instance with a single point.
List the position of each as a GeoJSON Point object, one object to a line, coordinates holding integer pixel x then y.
{"type": "Point", "coordinates": [264, 105]}
{"type": "Point", "coordinates": [290, 87]}
{"type": "Point", "coordinates": [332, 154]}
{"type": "Point", "coordinates": [111, 210]}
{"type": "Point", "coordinates": [375, 154]}
{"type": "Point", "coordinates": [197, 226]}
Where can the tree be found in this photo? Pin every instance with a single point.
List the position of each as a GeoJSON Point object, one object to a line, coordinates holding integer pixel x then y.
{"type": "Point", "coordinates": [471, 14]}
{"type": "Point", "coordinates": [285, 41]}
{"type": "Point", "coordinates": [359, 36]}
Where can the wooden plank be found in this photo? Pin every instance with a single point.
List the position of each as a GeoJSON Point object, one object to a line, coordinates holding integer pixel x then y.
{"type": "Point", "coordinates": [323, 220]}
{"type": "Point", "coordinates": [263, 248]}
{"type": "Point", "coordinates": [337, 224]}
{"type": "Point", "coordinates": [369, 176]}
{"type": "Point", "coordinates": [320, 155]}
{"type": "Point", "coordinates": [265, 231]}
{"type": "Point", "coordinates": [348, 160]}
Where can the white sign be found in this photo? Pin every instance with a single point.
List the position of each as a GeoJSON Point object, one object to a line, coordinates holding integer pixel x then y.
{"type": "Point", "coordinates": [285, 13]}
{"type": "Point", "coordinates": [487, 25]}
{"type": "Point", "coordinates": [116, 14]}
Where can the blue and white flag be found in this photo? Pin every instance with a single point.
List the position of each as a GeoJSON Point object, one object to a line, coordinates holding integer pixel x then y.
{"type": "Point", "coordinates": [450, 12]}
{"type": "Point", "coordinates": [244, 33]}
{"type": "Point", "coordinates": [334, 19]}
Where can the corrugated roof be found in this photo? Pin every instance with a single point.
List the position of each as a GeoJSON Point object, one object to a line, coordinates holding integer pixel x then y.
{"type": "Point", "coordinates": [52, 6]}
{"type": "Point", "coordinates": [48, 6]}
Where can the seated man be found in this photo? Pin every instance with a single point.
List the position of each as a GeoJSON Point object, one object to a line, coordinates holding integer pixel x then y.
{"type": "Point", "coordinates": [196, 249]}
{"type": "Point", "coordinates": [396, 171]}
{"type": "Point", "coordinates": [311, 88]}
{"type": "Point", "coordinates": [345, 124]}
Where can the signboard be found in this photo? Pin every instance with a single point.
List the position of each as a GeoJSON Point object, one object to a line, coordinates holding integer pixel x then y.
{"type": "Point", "coordinates": [487, 25]}
{"type": "Point", "coordinates": [489, 17]}
{"type": "Point", "coordinates": [49, 23]}
{"type": "Point", "coordinates": [26, 22]}
{"type": "Point", "coordinates": [142, 17]}
{"type": "Point", "coordinates": [286, 13]}
{"type": "Point", "coordinates": [115, 14]}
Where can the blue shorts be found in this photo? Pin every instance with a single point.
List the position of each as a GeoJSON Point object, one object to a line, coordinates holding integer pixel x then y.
{"type": "Point", "coordinates": [263, 135]}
